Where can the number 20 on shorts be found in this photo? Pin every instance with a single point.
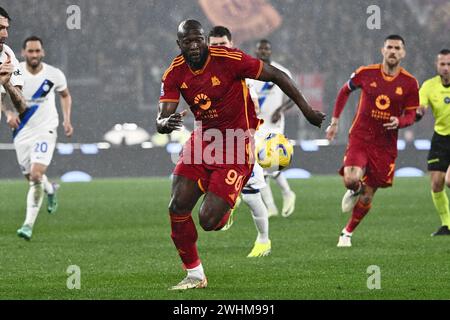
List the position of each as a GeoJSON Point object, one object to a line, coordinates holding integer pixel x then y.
{"type": "Point", "coordinates": [41, 147]}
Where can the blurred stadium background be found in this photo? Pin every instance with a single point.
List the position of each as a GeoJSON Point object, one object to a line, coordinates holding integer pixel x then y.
{"type": "Point", "coordinates": [115, 61]}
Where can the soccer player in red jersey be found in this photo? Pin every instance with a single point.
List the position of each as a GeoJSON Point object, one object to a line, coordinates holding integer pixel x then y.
{"type": "Point", "coordinates": [212, 82]}
{"type": "Point", "coordinates": [389, 99]}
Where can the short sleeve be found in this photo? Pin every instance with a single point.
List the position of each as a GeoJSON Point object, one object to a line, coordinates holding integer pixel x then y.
{"type": "Point", "coordinates": [170, 91]}
{"type": "Point", "coordinates": [356, 80]}
{"type": "Point", "coordinates": [61, 81]}
{"type": "Point", "coordinates": [424, 95]}
{"type": "Point", "coordinates": [248, 67]}
{"type": "Point", "coordinates": [17, 76]}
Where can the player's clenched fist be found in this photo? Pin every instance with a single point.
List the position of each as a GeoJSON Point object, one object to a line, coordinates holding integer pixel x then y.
{"type": "Point", "coordinates": [315, 117]}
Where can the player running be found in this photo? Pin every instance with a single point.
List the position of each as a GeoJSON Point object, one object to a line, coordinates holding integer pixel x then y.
{"type": "Point", "coordinates": [35, 133]}
{"type": "Point", "coordinates": [273, 103]}
{"type": "Point", "coordinates": [212, 82]}
{"type": "Point", "coordinates": [221, 36]}
{"type": "Point", "coordinates": [435, 92]}
{"type": "Point", "coordinates": [11, 80]}
{"type": "Point", "coordinates": [389, 99]}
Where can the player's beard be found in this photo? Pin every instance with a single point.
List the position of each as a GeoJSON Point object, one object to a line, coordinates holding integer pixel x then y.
{"type": "Point", "coordinates": [34, 63]}
{"type": "Point", "coordinates": [199, 63]}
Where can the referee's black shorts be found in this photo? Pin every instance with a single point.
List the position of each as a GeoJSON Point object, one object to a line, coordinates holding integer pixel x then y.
{"type": "Point", "coordinates": [439, 156]}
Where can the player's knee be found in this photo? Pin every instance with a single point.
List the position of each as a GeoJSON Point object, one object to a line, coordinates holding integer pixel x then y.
{"type": "Point", "coordinates": [35, 177]}
{"type": "Point", "coordinates": [366, 199]}
{"type": "Point", "coordinates": [351, 183]}
{"type": "Point", "coordinates": [438, 186]}
{"type": "Point", "coordinates": [177, 206]}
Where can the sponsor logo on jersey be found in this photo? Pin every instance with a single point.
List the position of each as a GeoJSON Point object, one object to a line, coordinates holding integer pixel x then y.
{"type": "Point", "coordinates": [184, 86]}
{"type": "Point", "coordinates": [383, 102]}
{"type": "Point", "coordinates": [203, 101]}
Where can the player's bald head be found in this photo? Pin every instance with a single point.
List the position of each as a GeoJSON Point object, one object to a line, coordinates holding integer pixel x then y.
{"type": "Point", "coordinates": [187, 26]}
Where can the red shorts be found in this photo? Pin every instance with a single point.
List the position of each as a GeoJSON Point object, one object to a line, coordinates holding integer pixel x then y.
{"type": "Point", "coordinates": [225, 180]}
{"type": "Point", "coordinates": [378, 163]}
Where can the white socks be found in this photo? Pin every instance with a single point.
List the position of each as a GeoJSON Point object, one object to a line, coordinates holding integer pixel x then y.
{"type": "Point", "coordinates": [34, 202]}
{"type": "Point", "coordinates": [48, 187]}
{"type": "Point", "coordinates": [260, 215]}
{"type": "Point", "coordinates": [283, 183]}
{"type": "Point", "coordinates": [267, 196]}
{"type": "Point", "coordinates": [197, 272]}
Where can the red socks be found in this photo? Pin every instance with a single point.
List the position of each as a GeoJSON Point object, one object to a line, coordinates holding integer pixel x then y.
{"type": "Point", "coordinates": [359, 212]}
{"type": "Point", "coordinates": [184, 236]}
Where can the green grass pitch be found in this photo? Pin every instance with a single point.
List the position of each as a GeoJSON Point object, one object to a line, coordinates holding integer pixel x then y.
{"type": "Point", "coordinates": [118, 233]}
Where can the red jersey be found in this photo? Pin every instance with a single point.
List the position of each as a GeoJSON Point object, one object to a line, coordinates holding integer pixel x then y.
{"type": "Point", "coordinates": [382, 97]}
{"type": "Point", "coordinates": [217, 94]}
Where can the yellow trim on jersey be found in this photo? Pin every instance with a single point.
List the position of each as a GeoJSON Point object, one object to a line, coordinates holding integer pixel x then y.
{"type": "Point", "coordinates": [433, 94]}
{"type": "Point", "coordinates": [175, 63]}
{"type": "Point", "coordinates": [169, 100]}
{"type": "Point", "coordinates": [219, 50]}
{"type": "Point", "coordinates": [226, 56]}
{"type": "Point", "coordinates": [245, 92]}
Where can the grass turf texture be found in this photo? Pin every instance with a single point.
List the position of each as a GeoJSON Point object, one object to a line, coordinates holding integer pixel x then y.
{"type": "Point", "coordinates": [118, 233]}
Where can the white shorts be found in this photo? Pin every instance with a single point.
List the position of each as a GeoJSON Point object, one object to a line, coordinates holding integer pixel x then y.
{"type": "Point", "coordinates": [256, 180]}
{"type": "Point", "coordinates": [37, 149]}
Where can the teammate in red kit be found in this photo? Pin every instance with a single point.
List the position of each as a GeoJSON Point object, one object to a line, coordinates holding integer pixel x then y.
{"type": "Point", "coordinates": [212, 82]}
{"type": "Point", "coordinates": [389, 99]}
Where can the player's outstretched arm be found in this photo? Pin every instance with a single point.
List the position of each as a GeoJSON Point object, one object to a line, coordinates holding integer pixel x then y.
{"type": "Point", "coordinates": [272, 74]}
{"type": "Point", "coordinates": [66, 104]}
{"type": "Point", "coordinates": [339, 105]}
{"type": "Point", "coordinates": [168, 120]}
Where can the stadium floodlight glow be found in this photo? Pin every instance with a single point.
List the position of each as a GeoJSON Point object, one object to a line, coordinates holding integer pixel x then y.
{"type": "Point", "coordinates": [174, 148]}
{"type": "Point", "coordinates": [130, 126]}
{"type": "Point", "coordinates": [7, 146]}
{"type": "Point", "coordinates": [322, 142]}
{"type": "Point", "coordinates": [146, 145]}
{"type": "Point", "coordinates": [89, 148]}
{"type": "Point", "coordinates": [103, 145]}
{"type": "Point", "coordinates": [296, 173]}
{"type": "Point", "coordinates": [401, 144]}
{"type": "Point", "coordinates": [409, 172]}
{"type": "Point", "coordinates": [422, 144]}
{"type": "Point", "coordinates": [309, 145]}
{"type": "Point", "coordinates": [118, 127]}
{"type": "Point", "coordinates": [65, 148]}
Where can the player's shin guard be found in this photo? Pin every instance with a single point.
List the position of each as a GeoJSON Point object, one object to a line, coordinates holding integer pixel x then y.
{"type": "Point", "coordinates": [359, 212]}
{"type": "Point", "coordinates": [259, 214]}
{"type": "Point", "coordinates": [441, 204]}
{"type": "Point", "coordinates": [184, 236]}
{"type": "Point", "coordinates": [34, 202]}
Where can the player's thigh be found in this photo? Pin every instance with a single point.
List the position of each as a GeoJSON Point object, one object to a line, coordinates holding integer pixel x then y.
{"type": "Point", "coordinates": [437, 179]}
{"type": "Point", "coordinates": [355, 162]}
{"type": "Point", "coordinates": [23, 153]}
{"type": "Point", "coordinates": [185, 194]}
{"type": "Point", "coordinates": [447, 177]}
{"type": "Point", "coordinates": [43, 148]}
{"type": "Point", "coordinates": [381, 168]}
{"type": "Point", "coordinates": [227, 182]}
{"type": "Point", "coordinates": [256, 180]}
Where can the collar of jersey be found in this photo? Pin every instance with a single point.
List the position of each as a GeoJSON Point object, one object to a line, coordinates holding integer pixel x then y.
{"type": "Point", "coordinates": [387, 77]}
{"type": "Point", "coordinates": [202, 69]}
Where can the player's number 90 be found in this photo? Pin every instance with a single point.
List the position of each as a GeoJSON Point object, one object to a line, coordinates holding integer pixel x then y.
{"type": "Point", "coordinates": [233, 178]}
